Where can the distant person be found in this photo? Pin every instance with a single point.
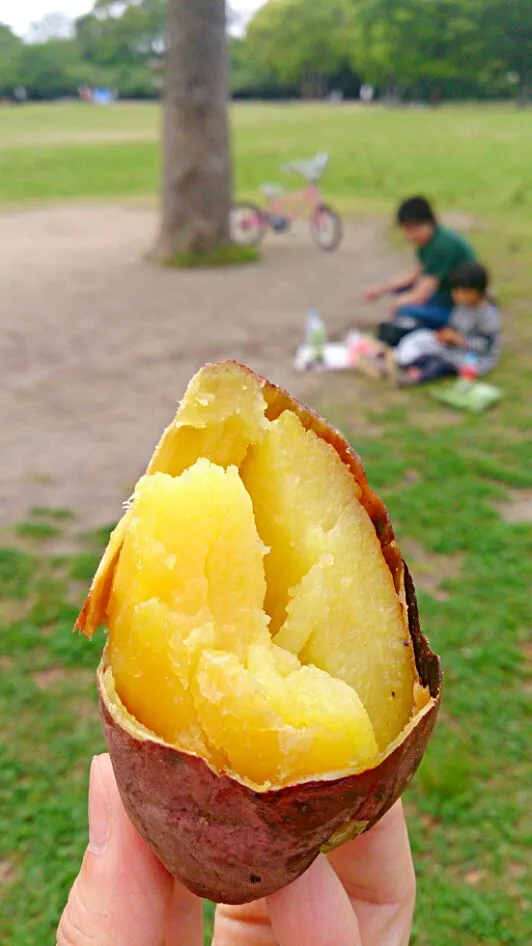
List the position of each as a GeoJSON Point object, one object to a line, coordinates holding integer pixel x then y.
{"type": "Point", "coordinates": [20, 95]}
{"type": "Point", "coordinates": [424, 297]}
{"type": "Point", "coordinates": [469, 344]}
{"type": "Point", "coordinates": [367, 93]}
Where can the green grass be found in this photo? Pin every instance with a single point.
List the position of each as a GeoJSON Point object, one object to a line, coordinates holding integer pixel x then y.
{"type": "Point", "coordinates": [230, 255]}
{"type": "Point", "coordinates": [55, 513]}
{"type": "Point", "coordinates": [472, 158]}
{"type": "Point", "coordinates": [442, 475]}
{"type": "Point", "coordinates": [36, 530]}
{"type": "Point", "coordinates": [469, 806]}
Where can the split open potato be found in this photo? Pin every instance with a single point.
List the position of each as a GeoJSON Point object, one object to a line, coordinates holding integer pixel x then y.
{"type": "Point", "coordinates": [265, 688]}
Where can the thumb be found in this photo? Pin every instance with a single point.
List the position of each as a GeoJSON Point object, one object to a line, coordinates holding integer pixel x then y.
{"type": "Point", "coordinates": [122, 896]}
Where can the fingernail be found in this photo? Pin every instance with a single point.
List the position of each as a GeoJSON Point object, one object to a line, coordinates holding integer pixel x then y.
{"type": "Point", "coordinates": [99, 810]}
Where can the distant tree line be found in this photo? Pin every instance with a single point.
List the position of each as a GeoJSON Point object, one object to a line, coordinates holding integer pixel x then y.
{"type": "Point", "coordinates": [116, 45]}
{"type": "Point", "coordinates": [426, 50]}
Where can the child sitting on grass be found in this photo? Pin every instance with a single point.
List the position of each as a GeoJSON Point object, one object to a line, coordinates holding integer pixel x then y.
{"type": "Point", "coordinates": [470, 342]}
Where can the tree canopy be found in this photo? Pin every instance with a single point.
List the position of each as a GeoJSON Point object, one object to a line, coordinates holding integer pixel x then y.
{"type": "Point", "coordinates": [417, 49]}
{"type": "Point", "coordinates": [302, 44]}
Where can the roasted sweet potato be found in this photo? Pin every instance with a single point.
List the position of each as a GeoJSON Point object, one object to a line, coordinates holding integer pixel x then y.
{"type": "Point", "coordinates": [265, 689]}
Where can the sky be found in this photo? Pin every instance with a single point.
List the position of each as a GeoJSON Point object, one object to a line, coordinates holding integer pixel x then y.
{"type": "Point", "coordinates": [20, 14]}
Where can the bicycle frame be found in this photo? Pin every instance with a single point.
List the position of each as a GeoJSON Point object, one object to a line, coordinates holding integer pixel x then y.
{"type": "Point", "coordinates": [292, 204]}
{"type": "Point", "coordinates": [250, 222]}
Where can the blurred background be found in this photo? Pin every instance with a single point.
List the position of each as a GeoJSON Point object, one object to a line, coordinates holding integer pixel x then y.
{"type": "Point", "coordinates": [97, 345]}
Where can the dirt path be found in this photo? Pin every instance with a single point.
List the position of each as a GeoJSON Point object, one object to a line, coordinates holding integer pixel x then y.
{"type": "Point", "coordinates": [97, 345]}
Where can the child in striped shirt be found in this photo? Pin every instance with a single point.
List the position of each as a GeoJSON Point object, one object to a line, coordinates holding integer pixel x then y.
{"type": "Point", "coordinates": [472, 336]}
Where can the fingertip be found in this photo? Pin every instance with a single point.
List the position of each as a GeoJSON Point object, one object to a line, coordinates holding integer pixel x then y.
{"type": "Point", "coordinates": [122, 893]}
{"type": "Point", "coordinates": [101, 763]}
{"type": "Point", "coordinates": [105, 802]}
{"type": "Point", "coordinates": [99, 810]}
{"type": "Point", "coordinates": [102, 778]}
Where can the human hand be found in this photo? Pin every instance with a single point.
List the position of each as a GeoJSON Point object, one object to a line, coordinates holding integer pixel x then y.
{"type": "Point", "coordinates": [361, 895]}
{"type": "Point", "coordinates": [396, 304]}
{"type": "Point", "coordinates": [122, 895]}
{"type": "Point", "coordinates": [372, 293]}
{"type": "Point", "coordinates": [449, 336]}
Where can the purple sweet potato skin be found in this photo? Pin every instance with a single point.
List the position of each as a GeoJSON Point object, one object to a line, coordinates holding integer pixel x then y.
{"type": "Point", "coordinates": [231, 844]}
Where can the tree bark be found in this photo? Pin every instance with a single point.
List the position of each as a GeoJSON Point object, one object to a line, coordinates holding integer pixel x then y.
{"type": "Point", "coordinates": [315, 85]}
{"type": "Point", "coordinates": [393, 95]}
{"type": "Point", "coordinates": [524, 89]}
{"type": "Point", "coordinates": [435, 94]}
{"type": "Point", "coordinates": [196, 193]}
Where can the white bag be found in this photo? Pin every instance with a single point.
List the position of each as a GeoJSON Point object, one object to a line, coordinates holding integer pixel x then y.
{"type": "Point", "coordinates": [416, 345]}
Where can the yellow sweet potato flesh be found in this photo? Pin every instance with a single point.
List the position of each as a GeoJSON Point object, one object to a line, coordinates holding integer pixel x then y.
{"type": "Point", "coordinates": [252, 618]}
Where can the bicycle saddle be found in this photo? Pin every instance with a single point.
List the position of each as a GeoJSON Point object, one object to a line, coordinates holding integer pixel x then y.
{"type": "Point", "coordinates": [309, 168]}
{"type": "Point", "coordinates": [271, 190]}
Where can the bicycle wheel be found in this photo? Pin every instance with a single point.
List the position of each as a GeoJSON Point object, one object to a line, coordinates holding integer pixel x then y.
{"type": "Point", "coordinates": [326, 228]}
{"type": "Point", "coordinates": [247, 224]}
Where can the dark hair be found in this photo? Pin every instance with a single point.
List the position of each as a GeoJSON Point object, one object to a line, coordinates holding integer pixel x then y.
{"type": "Point", "coordinates": [415, 210]}
{"type": "Point", "coordinates": [471, 276]}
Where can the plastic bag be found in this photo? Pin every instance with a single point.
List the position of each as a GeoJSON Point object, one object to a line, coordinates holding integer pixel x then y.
{"type": "Point", "coordinates": [474, 397]}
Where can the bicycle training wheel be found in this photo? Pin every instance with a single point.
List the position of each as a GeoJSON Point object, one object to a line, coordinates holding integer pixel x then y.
{"type": "Point", "coordinates": [247, 224]}
{"type": "Point", "coordinates": [326, 228]}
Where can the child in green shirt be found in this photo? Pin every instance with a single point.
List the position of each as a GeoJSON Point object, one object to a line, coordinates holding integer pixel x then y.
{"type": "Point", "coordinates": [423, 294]}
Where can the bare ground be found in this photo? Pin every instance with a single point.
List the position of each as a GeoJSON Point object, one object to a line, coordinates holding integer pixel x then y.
{"type": "Point", "coordinates": [97, 345]}
{"type": "Point", "coordinates": [518, 507]}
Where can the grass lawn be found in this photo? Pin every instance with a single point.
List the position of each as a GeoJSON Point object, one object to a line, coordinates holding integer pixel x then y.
{"type": "Point", "coordinates": [445, 484]}
{"type": "Point", "coordinates": [474, 159]}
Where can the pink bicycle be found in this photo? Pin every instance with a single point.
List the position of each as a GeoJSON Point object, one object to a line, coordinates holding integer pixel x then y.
{"type": "Point", "coordinates": [249, 222]}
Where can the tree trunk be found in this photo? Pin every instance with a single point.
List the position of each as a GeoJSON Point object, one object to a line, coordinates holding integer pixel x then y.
{"type": "Point", "coordinates": [196, 195]}
{"type": "Point", "coordinates": [393, 95]}
{"type": "Point", "coordinates": [435, 94]}
{"type": "Point", "coordinates": [524, 89]}
{"type": "Point", "coordinates": [315, 85]}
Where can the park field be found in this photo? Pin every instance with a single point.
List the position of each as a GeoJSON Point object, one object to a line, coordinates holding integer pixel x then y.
{"type": "Point", "coordinates": [472, 158]}
{"type": "Point", "coordinates": [459, 490]}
